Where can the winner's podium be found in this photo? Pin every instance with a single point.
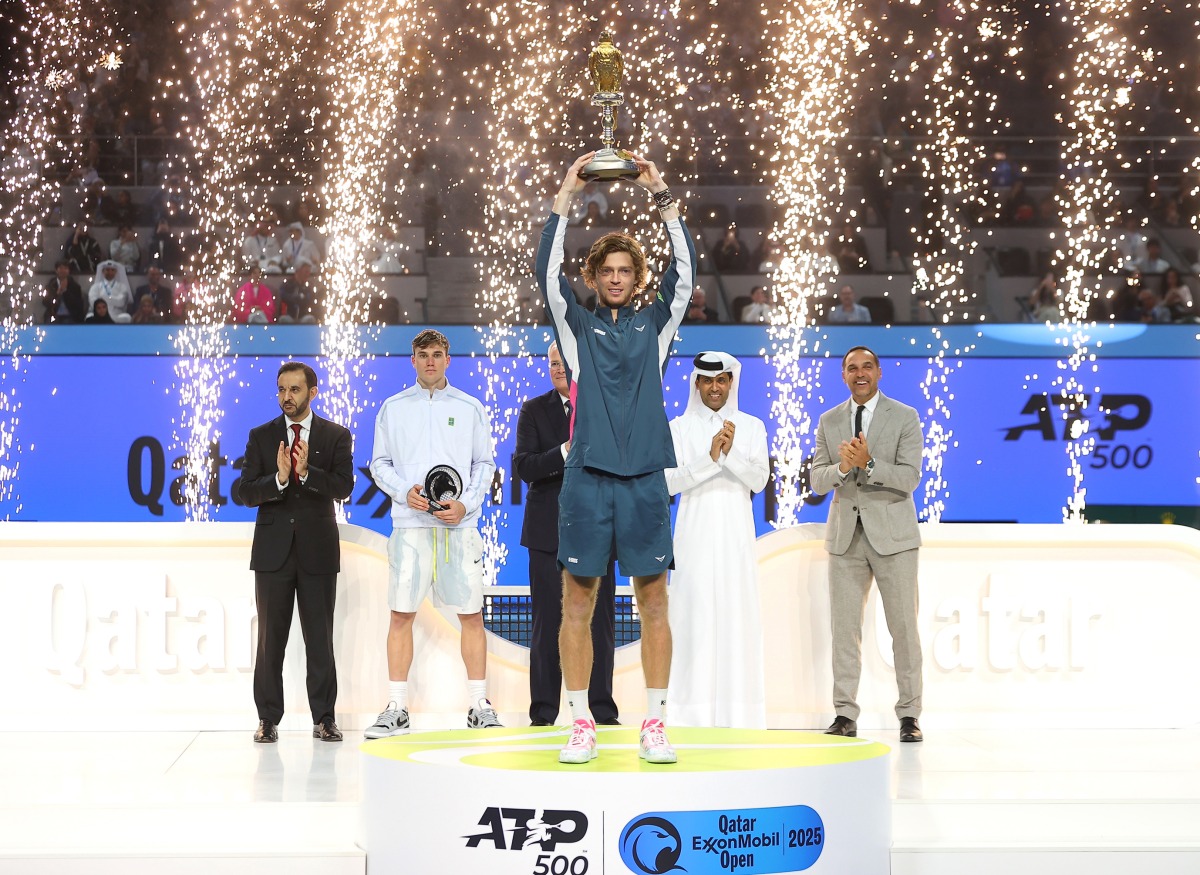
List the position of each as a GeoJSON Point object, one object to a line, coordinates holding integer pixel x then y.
{"type": "Point", "coordinates": [741, 801]}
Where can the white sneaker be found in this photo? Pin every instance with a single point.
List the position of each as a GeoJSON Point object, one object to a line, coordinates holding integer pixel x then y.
{"type": "Point", "coordinates": [581, 748]}
{"type": "Point", "coordinates": [482, 716]}
{"type": "Point", "coordinates": [392, 721]}
{"type": "Point", "coordinates": [654, 747]}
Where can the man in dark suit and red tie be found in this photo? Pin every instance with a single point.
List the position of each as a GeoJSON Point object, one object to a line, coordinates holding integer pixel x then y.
{"type": "Point", "coordinates": [296, 467]}
{"type": "Point", "coordinates": [543, 439]}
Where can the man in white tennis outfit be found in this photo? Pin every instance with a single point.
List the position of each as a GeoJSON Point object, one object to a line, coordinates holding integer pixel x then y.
{"type": "Point", "coordinates": [440, 551]}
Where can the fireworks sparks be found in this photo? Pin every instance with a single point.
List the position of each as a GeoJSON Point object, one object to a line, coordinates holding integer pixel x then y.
{"type": "Point", "coordinates": [39, 141]}
{"type": "Point", "coordinates": [369, 57]}
{"type": "Point", "coordinates": [248, 65]}
{"type": "Point", "coordinates": [1104, 63]}
{"type": "Point", "coordinates": [348, 99]}
{"type": "Point", "coordinates": [813, 84]}
{"type": "Point", "coordinates": [952, 111]}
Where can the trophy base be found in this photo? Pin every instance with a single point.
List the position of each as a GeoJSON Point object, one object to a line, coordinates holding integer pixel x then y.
{"type": "Point", "coordinates": [610, 164]}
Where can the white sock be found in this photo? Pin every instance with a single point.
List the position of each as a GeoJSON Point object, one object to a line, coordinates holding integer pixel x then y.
{"type": "Point", "coordinates": [577, 701]}
{"type": "Point", "coordinates": [476, 690]}
{"type": "Point", "coordinates": [656, 703]}
{"type": "Point", "coordinates": [398, 693]}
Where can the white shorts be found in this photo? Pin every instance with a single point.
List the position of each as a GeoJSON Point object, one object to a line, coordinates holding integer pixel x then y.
{"type": "Point", "coordinates": [447, 561]}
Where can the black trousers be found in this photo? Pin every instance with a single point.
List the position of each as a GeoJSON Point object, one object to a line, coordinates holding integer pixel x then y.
{"type": "Point", "coordinates": [275, 592]}
{"type": "Point", "coordinates": [545, 669]}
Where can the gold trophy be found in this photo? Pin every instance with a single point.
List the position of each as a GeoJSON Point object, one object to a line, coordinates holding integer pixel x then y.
{"type": "Point", "coordinates": [606, 67]}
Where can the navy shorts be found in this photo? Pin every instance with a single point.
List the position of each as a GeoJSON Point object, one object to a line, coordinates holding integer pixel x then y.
{"type": "Point", "coordinates": [598, 511]}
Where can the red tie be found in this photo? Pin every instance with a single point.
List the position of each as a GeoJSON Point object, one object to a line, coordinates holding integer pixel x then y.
{"type": "Point", "coordinates": [295, 450]}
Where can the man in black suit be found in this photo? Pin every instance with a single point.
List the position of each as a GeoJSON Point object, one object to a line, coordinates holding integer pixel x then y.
{"type": "Point", "coordinates": [63, 299]}
{"type": "Point", "coordinates": [543, 438]}
{"type": "Point", "coordinates": [296, 467]}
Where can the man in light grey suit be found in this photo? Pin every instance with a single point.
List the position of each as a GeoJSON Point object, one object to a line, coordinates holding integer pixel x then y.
{"type": "Point", "coordinates": [869, 454]}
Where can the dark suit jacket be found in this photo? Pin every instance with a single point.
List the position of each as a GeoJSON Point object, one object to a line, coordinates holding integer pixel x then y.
{"type": "Point", "coordinates": [542, 428]}
{"type": "Point", "coordinates": [302, 515]}
{"type": "Point", "coordinates": [72, 297]}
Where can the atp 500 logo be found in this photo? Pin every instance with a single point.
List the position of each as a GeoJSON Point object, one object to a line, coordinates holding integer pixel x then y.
{"type": "Point", "coordinates": [1109, 417]}
{"type": "Point", "coordinates": [516, 829]}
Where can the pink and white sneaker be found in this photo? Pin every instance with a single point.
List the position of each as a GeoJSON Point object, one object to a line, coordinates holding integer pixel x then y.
{"type": "Point", "coordinates": [581, 748]}
{"type": "Point", "coordinates": [654, 746]}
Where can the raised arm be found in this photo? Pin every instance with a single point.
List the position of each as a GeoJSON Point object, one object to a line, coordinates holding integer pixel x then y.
{"type": "Point", "coordinates": [572, 184]}
{"type": "Point", "coordinates": [566, 315]}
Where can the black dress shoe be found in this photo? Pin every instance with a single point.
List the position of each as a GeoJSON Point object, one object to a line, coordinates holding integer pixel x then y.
{"type": "Point", "coordinates": [910, 730]}
{"type": "Point", "coordinates": [843, 726]}
{"type": "Point", "coordinates": [327, 730]}
{"type": "Point", "coordinates": [540, 723]}
{"type": "Point", "coordinates": [610, 721]}
{"type": "Point", "coordinates": [266, 733]}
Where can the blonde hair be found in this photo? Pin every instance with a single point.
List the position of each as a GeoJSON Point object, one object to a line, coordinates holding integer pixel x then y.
{"type": "Point", "coordinates": [616, 242]}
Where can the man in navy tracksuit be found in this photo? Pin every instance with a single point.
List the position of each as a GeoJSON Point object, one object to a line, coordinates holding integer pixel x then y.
{"type": "Point", "coordinates": [614, 494]}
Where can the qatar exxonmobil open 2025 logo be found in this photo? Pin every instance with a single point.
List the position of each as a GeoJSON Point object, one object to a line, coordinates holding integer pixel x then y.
{"type": "Point", "coordinates": [751, 841]}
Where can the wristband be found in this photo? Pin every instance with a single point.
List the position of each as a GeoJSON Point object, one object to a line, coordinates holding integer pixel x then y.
{"type": "Point", "coordinates": [663, 199]}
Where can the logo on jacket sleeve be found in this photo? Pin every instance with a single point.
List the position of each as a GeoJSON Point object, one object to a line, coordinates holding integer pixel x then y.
{"type": "Point", "coordinates": [450, 421]}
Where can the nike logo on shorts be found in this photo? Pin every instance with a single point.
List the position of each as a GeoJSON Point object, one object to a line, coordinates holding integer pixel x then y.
{"type": "Point", "coordinates": [660, 558]}
{"type": "Point", "coordinates": [640, 328]}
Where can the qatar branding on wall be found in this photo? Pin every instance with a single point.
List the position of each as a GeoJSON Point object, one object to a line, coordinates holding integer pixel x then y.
{"type": "Point", "coordinates": [98, 435]}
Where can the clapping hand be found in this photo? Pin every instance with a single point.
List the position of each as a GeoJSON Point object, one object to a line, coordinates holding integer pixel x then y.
{"type": "Point", "coordinates": [722, 441]}
{"type": "Point", "coordinates": [855, 453]}
{"type": "Point", "coordinates": [283, 463]}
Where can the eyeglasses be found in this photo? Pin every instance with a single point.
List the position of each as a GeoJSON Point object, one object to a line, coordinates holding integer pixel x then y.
{"type": "Point", "coordinates": [557, 366]}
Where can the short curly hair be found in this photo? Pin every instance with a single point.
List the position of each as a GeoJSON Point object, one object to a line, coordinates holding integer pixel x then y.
{"type": "Point", "coordinates": [616, 242]}
{"type": "Point", "coordinates": [430, 337]}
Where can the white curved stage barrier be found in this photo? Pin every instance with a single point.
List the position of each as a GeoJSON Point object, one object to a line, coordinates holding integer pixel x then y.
{"type": "Point", "coordinates": [1046, 626]}
{"type": "Point", "coordinates": [151, 626]}
{"type": "Point", "coordinates": [739, 800]}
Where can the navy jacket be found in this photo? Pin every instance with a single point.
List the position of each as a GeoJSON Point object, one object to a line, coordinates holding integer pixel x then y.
{"type": "Point", "coordinates": [617, 366]}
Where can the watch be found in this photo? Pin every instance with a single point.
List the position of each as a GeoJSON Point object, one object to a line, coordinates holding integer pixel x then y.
{"type": "Point", "coordinates": [870, 468]}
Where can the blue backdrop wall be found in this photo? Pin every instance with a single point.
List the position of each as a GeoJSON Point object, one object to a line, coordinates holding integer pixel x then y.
{"type": "Point", "coordinates": [96, 432]}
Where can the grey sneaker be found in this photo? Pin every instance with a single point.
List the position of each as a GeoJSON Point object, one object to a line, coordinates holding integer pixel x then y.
{"type": "Point", "coordinates": [392, 721]}
{"type": "Point", "coordinates": [482, 716]}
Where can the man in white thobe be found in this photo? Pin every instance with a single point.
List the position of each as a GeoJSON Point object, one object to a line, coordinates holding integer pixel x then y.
{"type": "Point", "coordinates": [717, 672]}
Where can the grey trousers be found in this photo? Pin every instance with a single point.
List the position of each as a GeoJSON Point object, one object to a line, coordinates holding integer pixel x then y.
{"type": "Point", "coordinates": [850, 578]}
